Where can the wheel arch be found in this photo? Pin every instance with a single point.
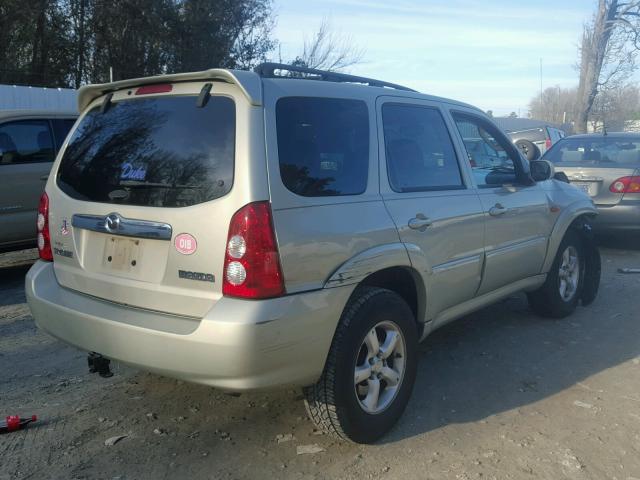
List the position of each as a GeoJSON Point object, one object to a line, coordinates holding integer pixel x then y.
{"type": "Point", "coordinates": [406, 282]}
{"type": "Point", "coordinates": [571, 217]}
{"type": "Point", "coordinates": [386, 266]}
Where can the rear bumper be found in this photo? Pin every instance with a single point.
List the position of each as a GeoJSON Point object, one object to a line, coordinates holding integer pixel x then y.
{"type": "Point", "coordinates": [238, 345]}
{"type": "Point", "coordinates": [625, 216]}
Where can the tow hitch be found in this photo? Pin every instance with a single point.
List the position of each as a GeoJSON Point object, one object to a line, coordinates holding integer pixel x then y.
{"type": "Point", "coordinates": [99, 364]}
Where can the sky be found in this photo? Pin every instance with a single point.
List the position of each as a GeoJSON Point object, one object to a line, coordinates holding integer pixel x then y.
{"type": "Point", "coordinates": [483, 52]}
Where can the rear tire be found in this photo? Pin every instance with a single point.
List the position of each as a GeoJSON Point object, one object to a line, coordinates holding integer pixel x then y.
{"type": "Point", "coordinates": [529, 149]}
{"type": "Point", "coordinates": [559, 295]}
{"type": "Point", "coordinates": [370, 369]}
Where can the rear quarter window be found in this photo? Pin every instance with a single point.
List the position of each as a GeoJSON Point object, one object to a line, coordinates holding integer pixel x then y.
{"type": "Point", "coordinates": [159, 152]}
{"type": "Point", "coordinates": [323, 145]}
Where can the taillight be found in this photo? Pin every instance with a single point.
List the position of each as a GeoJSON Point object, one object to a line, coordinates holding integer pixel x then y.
{"type": "Point", "coordinates": [626, 185]}
{"type": "Point", "coordinates": [547, 143]}
{"type": "Point", "coordinates": [44, 239]}
{"type": "Point", "coordinates": [251, 263]}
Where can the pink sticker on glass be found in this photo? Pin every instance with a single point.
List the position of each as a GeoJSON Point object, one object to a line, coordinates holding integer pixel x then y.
{"type": "Point", "coordinates": [185, 244]}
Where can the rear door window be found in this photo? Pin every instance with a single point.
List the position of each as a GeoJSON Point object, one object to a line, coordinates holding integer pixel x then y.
{"type": "Point", "coordinates": [25, 141]}
{"type": "Point", "coordinates": [323, 145]}
{"type": "Point", "coordinates": [419, 150]}
{"type": "Point", "coordinates": [160, 152]}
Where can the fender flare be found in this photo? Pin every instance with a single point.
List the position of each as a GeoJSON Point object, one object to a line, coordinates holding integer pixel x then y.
{"type": "Point", "coordinates": [369, 261]}
{"type": "Point", "coordinates": [564, 221]}
{"type": "Point", "coordinates": [376, 259]}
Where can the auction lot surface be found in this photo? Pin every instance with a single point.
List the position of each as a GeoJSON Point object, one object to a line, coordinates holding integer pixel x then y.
{"type": "Point", "coordinates": [499, 394]}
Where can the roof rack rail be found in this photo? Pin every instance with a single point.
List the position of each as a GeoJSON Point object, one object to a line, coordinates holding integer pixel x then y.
{"type": "Point", "coordinates": [267, 70]}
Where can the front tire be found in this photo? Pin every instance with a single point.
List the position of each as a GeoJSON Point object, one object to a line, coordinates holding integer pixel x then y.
{"type": "Point", "coordinates": [559, 295]}
{"type": "Point", "coordinates": [370, 369]}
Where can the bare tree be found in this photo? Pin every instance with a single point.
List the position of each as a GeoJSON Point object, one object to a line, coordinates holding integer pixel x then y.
{"type": "Point", "coordinates": [328, 50]}
{"type": "Point", "coordinates": [607, 53]}
{"type": "Point", "coordinates": [555, 105]}
{"type": "Point", "coordinates": [613, 107]}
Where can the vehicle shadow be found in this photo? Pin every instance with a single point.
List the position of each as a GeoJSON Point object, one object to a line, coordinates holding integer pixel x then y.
{"type": "Point", "coordinates": [505, 357]}
{"type": "Point", "coordinates": [12, 284]}
{"type": "Point", "coordinates": [627, 241]}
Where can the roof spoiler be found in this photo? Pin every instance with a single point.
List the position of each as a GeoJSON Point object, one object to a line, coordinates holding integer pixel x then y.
{"type": "Point", "coordinates": [249, 83]}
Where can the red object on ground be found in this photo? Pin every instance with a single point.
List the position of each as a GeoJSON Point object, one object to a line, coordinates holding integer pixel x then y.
{"type": "Point", "coordinates": [14, 422]}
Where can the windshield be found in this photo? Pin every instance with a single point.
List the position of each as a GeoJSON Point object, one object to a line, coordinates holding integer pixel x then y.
{"type": "Point", "coordinates": [595, 151]}
{"type": "Point", "coordinates": [161, 152]}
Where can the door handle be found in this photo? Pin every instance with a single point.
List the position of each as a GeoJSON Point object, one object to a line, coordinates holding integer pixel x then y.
{"type": "Point", "coordinates": [44, 177]}
{"type": "Point", "coordinates": [497, 210]}
{"type": "Point", "coordinates": [420, 222]}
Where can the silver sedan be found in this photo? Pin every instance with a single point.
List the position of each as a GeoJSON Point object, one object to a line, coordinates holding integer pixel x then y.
{"type": "Point", "coordinates": [607, 168]}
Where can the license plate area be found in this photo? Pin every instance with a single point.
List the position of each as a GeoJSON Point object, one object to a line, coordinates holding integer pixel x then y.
{"type": "Point", "coordinates": [587, 187]}
{"type": "Point", "coordinates": [122, 254]}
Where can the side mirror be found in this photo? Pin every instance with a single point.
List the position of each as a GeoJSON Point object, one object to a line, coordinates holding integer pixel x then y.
{"type": "Point", "coordinates": [541, 170]}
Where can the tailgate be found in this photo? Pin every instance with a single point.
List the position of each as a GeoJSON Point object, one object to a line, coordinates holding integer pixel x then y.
{"type": "Point", "coordinates": [142, 198]}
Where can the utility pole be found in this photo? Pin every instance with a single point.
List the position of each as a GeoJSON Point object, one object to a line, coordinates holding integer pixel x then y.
{"type": "Point", "coordinates": [541, 80]}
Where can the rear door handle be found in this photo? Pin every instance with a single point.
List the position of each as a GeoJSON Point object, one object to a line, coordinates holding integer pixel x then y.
{"type": "Point", "coordinates": [44, 177]}
{"type": "Point", "coordinates": [497, 210]}
{"type": "Point", "coordinates": [420, 222]}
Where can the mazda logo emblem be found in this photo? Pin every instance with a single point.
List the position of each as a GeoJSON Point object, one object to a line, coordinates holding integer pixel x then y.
{"type": "Point", "coordinates": [112, 222]}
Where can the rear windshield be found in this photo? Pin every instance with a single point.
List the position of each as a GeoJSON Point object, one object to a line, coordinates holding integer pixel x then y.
{"type": "Point", "coordinates": [601, 151]}
{"type": "Point", "coordinates": [160, 152]}
{"type": "Point", "coordinates": [323, 145]}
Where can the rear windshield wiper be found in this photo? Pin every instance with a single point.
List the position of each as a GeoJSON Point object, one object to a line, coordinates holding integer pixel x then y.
{"type": "Point", "coordinates": [204, 95]}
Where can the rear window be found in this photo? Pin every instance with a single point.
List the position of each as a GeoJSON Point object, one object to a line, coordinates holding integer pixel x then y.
{"type": "Point", "coordinates": [159, 152]}
{"type": "Point", "coordinates": [599, 152]}
{"type": "Point", "coordinates": [26, 141]}
{"type": "Point", "coordinates": [323, 145]}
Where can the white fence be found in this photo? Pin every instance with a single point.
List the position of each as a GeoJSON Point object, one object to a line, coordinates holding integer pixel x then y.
{"type": "Point", "coordinates": [14, 97]}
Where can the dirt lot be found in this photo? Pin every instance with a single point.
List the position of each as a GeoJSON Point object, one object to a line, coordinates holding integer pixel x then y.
{"type": "Point", "coordinates": [500, 394]}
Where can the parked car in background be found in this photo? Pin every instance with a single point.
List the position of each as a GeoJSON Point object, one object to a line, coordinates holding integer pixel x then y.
{"type": "Point", "coordinates": [247, 230]}
{"type": "Point", "coordinates": [534, 142]}
{"type": "Point", "coordinates": [607, 168]}
{"type": "Point", "coordinates": [29, 142]}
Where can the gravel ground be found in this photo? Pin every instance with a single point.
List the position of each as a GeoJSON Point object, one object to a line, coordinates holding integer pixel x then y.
{"type": "Point", "coordinates": [500, 394]}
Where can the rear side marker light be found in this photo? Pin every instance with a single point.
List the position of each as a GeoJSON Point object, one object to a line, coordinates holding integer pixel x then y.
{"type": "Point", "coordinates": [42, 225]}
{"type": "Point", "coordinates": [252, 262]}
{"type": "Point", "coordinates": [626, 185]}
{"type": "Point", "coordinates": [149, 89]}
{"type": "Point", "coordinates": [547, 143]}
